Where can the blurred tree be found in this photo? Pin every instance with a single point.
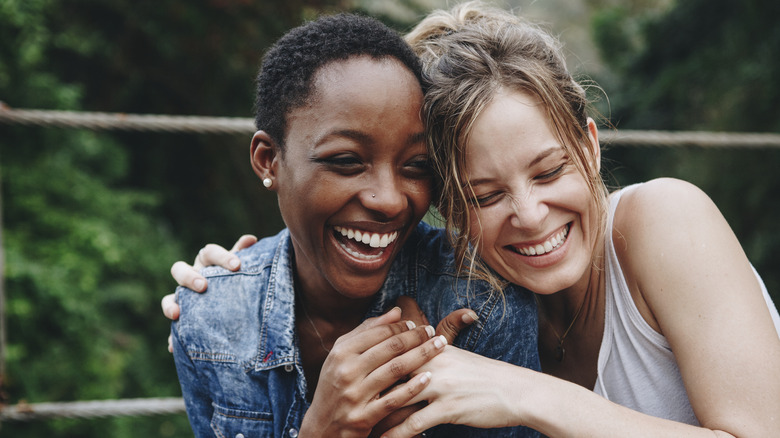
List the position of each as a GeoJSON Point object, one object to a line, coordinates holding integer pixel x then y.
{"type": "Point", "coordinates": [702, 65]}
{"type": "Point", "coordinates": [92, 221]}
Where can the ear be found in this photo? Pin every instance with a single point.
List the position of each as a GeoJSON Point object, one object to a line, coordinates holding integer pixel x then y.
{"type": "Point", "coordinates": [593, 134]}
{"type": "Point", "coordinates": [264, 154]}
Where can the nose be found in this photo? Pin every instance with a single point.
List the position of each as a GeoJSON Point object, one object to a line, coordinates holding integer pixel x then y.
{"type": "Point", "coordinates": [528, 210]}
{"type": "Point", "coordinates": [385, 195]}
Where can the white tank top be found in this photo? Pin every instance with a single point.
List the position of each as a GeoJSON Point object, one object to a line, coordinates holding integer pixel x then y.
{"type": "Point", "coordinates": [636, 366]}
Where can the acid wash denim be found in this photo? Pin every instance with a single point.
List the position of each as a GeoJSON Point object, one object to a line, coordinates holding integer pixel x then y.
{"type": "Point", "coordinates": [236, 347]}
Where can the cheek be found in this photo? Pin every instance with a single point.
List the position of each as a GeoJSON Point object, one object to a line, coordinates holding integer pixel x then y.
{"type": "Point", "coordinates": [485, 225]}
{"type": "Point", "coordinates": [420, 196]}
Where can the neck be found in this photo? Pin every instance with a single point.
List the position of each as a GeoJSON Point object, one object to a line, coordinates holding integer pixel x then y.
{"type": "Point", "coordinates": [561, 307]}
{"type": "Point", "coordinates": [326, 304]}
{"type": "Point", "coordinates": [331, 307]}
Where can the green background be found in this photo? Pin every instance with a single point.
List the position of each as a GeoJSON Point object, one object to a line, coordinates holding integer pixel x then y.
{"type": "Point", "coordinates": [92, 221]}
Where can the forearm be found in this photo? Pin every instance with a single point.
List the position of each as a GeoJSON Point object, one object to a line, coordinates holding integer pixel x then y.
{"type": "Point", "coordinates": [558, 408]}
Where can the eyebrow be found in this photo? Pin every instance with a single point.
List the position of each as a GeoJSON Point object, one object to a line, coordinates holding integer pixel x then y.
{"type": "Point", "coordinates": [539, 158]}
{"type": "Point", "coordinates": [362, 137]}
{"type": "Point", "coordinates": [417, 138]}
{"type": "Point", "coordinates": [544, 154]}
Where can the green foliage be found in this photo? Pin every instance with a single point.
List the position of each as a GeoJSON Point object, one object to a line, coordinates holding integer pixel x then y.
{"type": "Point", "coordinates": [92, 222]}
{"type": "Point", "coordinates": [85, 268]}
{"type": "Point", "coordinates": [703, 65]}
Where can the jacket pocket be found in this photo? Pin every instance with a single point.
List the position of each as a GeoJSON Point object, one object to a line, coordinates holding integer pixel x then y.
{"type": "Point", "coordinates": [239, 423]}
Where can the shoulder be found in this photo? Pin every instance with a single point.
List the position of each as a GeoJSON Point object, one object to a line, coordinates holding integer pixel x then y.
{"type": "Point", "coordinates": [669, 237]}
{"type": "Point", "coordinates": [230, 288]}
{"type": "Point", "coordinates": [255, 258]}
{"type": "Point", "coordinates": [664, 212]}
{"type": "Point", "coordinates": [664, 200]}
{"type": "Point", "coordinates": [229, 313]}
{"type": "Point", "coordinates": [429, 238]}
{"type": "Point", "coordinates": [429, 250]}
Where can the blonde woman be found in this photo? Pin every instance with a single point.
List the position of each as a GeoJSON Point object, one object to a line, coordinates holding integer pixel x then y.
{"type": "Point", "coordinates": [652, 321]}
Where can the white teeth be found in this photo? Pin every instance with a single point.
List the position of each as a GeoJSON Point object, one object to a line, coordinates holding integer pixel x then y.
{"type": "Point", "coordinates": [545, 247]}
{"type": "Point", "coordinates": [374, 240]}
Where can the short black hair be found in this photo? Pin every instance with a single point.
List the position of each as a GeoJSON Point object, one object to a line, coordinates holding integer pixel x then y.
{"type": "Point", "coordinates": [284, 81]}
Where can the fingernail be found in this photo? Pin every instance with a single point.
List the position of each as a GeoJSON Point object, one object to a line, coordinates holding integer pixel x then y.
{"type": "Point", "coordinates": [425, 377]}
{"type": "Point", "coordinates": [410, 324]}
{"type": "Point", "coordinates": [395, 308]}
{"type": "Point", "coordinates": [199, 284]}
{"type": "Point", "coordinates": [430, 330]}
{"type": "Point", "coordinates": [440, 342]}
{"type": "Point", "coordinates": [233, 263]}
{"type": "Point", "coordinates": [469, 317]}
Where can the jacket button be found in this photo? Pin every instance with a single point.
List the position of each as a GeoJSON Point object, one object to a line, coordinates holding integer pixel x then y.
{"type": "Point", "coordinates": [239, 435]}
{"type": "Point", "coordinates": [288, 368]}
{"type": "Point", "coordinates": [293, 433]}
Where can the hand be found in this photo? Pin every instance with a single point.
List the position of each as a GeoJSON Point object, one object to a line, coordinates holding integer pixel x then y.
{"type": "Point", "coordinates": [466, 388]}
{"type": "Point", "coordinates": [210, 255]}
{"type": "Point", "coordinates": [353, 393]}
{"type": "Point", "coordinates": [188, 276]}
{"type": "Point", "coordinates": [449, 327]}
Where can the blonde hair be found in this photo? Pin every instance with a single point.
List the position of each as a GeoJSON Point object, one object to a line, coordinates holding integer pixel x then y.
{"type": "Point", "coordinates": [469, 53]}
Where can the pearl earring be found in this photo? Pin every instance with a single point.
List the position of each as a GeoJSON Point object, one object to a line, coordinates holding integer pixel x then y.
{"type": "Point", "coordinates": [267, 182]}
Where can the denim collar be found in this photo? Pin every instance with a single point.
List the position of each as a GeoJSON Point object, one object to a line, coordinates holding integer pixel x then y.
{"type": "Point", "coordinates": [278, 339]}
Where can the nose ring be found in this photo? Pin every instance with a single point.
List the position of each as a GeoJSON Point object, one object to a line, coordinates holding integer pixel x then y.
{"type": "Point", "coordinates": [373, 195]}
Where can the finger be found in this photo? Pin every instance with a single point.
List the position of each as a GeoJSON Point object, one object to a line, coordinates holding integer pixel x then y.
{"type": "Point", "coordinates": [187, 276]}
{"type": "Point", "coordinates": [391, 316]}
{"type": "Point", "coordinates": [411, 311]}
{"type": "Point", "coordinates": [243, 242]}
{"type": "Point", "coordinates": [170, 344]}
{"type": "Point", "coordinates": [394, 419]}
{"type": "Point", "coordinates": [170, 307]}
{"type": "Point", "coordinates": [215, 255]}
{"type": "Point", "coordinates": [360, 342]}
{"type": "Point", "coordinates": [418, 422]}
{"type": "Point", "coordinates": [452, 324]}
{"type": "Point", "coordinates": [399, 367]}
{"type": "Point", "coordinates": [393, 404]}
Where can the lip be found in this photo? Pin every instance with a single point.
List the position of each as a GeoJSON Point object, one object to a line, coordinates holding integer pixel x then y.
{"type": "Point", "coordinates": [548, 258]}
{"type": "Point", "coordinates": [372, 256]}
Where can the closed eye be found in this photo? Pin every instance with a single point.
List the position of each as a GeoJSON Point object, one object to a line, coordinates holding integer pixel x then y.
{"type": "Point", "coordinates": [343, 163]}
{"type": "Point", "coordinates": [486, 199]}
{"type": "Point", "coordinates": [551, 174]}
{"type": "Point", "coordinates": [419, 166]}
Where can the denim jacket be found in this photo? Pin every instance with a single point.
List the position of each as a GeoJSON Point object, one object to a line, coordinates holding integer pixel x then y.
{"type": "Point", "coordinates": [236, 347]}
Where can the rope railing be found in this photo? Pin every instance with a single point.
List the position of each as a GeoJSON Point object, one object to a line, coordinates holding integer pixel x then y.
{"type": "Point", "coordinates": [245, 126]}
{"type": "Point", "coordinates": [126, 122]}
{"type": "Point", "coordinates": [240, 125]}
{"type": "Point", "coordinates": [92, 409]}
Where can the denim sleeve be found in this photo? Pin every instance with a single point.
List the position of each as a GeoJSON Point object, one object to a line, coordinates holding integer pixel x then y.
{"type": "Point", "coordinates": [507, 329]}
{"type": "Point", "coordinates": [195, 393]}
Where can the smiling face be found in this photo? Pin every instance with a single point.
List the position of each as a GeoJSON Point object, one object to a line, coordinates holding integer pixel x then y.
{"type": "Point", "coordinates": [353, 180]}
{"type": "Point", "coordinates": [537, 217]}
